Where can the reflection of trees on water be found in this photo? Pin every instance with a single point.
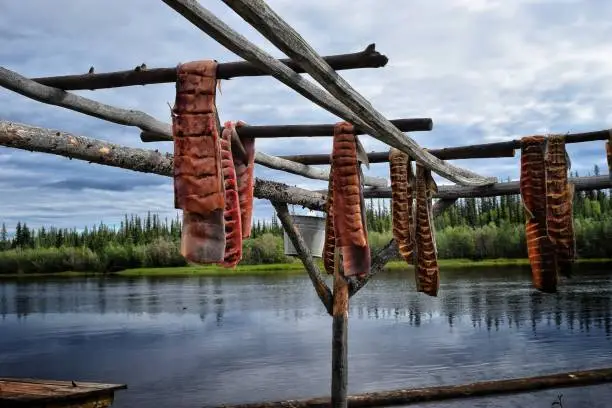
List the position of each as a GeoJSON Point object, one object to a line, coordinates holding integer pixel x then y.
{"type": "Point", "coordinates": [486, 304]}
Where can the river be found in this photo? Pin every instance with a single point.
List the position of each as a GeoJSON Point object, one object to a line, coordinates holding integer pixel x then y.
{"type": "Point", "coordinates": [194, 341]}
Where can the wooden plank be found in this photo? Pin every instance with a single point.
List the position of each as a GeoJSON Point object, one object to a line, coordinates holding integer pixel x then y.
{"type": "Point", "coordinates": [31, 392]}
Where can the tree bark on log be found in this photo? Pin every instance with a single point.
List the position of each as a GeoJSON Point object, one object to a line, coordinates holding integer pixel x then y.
{"type": "Point", "coordinates": [368, 58]}
{"type": "Point", "coordinates": [385, 131]}
{"type": "Point", "coordinates": [477, 151]}
{"type": "Point", "coordinates": [36, 139]}
{"type": "Point", "coordinates": [449, 392]}
{"type": "Point", "coordinates": [317, 130]}
{"type": "Point", "coordinates": [305, 255]}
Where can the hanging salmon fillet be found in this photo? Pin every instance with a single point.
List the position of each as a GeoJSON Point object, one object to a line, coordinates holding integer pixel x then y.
{"type": "Point", "coordinates": [198, 178]}
{"type": "Point", "coordinates": [540, 248]}
{"type": "Point", "coordinates": [245, 169]}
{"type": "Point", "coordinates": [427, 271]}
{"type": "Point", "coordinates": [329, 246]}
{"type": "Point", "coordinates": [560, 196]}
{"type": "Point", "coordinates": [402, 183]}
{"type": "Point", "coordinates": [348, 207]}
{"type": "Point", "coordinates": [231, 213]}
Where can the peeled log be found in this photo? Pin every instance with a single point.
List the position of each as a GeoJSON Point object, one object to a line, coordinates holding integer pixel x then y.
{"type": "Point", "coordinates": [450, 392]}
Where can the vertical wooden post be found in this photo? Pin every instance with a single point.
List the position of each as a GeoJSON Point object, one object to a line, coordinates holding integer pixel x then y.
{"type": "Point", "coordinates": [339, 380]}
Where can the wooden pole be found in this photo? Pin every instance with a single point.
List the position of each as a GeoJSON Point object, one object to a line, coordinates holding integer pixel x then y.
{"type": "Point", "coordinates": [449, 392]}
{"type": "Point", "coordinates": [368, 58]}
{"type": "Point", "coordinates": [339, 377]}
{"type": "Point", "coordinates": [315, 130]}
{"type": "Point", "coordinates": [477, 151]}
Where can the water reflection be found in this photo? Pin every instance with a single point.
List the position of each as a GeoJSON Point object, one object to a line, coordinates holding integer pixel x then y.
{"type": "Point", "coordinates": [485, 299]}
{"type": "Point", "coordinates": [233, 339]}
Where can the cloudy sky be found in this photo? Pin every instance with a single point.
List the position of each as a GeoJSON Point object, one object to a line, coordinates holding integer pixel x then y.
{"type": "Point", "coordinates": [484, 70]}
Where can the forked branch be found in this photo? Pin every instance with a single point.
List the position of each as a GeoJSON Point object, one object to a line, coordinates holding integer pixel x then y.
{"type": "Point", "coordinates": [305, 255]}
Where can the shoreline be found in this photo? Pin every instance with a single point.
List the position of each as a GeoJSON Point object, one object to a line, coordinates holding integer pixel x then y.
{"type": "Point", "coordinates": [281, 269]}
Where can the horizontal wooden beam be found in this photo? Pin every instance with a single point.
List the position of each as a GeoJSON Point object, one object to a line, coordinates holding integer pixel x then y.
{"type": "Point", "coordinates": [272, 131]}
{"type": "Point", "coordinates": [449, 392]}
{"type": "Point", "coordinates": [368, 58]}
{"type": "Point", "coordinates": [477, 151]}
{"type": "Point", "coordinates": [494, 190]}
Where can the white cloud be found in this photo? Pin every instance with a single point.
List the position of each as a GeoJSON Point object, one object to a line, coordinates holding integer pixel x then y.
{"type": "Point", "coordinates": [484, 70]}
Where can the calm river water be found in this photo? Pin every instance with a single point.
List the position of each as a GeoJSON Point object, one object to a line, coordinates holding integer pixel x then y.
{"type": "Point", "coordinates": [189, 342]}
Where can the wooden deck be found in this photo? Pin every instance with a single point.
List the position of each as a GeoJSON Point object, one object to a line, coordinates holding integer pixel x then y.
{"type": "Point", "coordinates": [20, 392]}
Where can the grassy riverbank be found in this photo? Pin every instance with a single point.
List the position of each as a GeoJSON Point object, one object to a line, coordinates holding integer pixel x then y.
{"type": "Point", "coordinates": [286, 268]}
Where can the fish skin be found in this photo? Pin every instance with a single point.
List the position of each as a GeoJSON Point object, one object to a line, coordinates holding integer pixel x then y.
{"type": "Point", "coordinates": [348, 204]}
{"type": "Point", "coordinates": [231, 213]}
{"type": "Point", "coordinates": [533, 190]}
{"type": "Point", "coordinates": [329, 246]}
{"type": "Point", "coordinates": [559, 205]}
{"type": "Point", "coordinates": [245, 173]}
{"type": "Point", "coordinates": [198, 178]}
{"type": "Point", "coordinates": [402, 190]}
{"type": "Point", "coordinates": [427, 270]}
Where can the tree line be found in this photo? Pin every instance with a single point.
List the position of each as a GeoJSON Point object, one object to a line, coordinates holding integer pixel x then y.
{"type": "Point", "coordinates": [473, 228]}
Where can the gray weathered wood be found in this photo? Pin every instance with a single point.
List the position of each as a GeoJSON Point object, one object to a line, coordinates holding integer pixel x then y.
{"type": "Point", "coordinates": [315, 130]}
{"type": "Point", "coordinates": [27, 87]}
{"type": "Point", "coordinates": [53, 96]}
{"type": "Point", "coordinates": [308, 171]}
{"type": "Point", "coordinates": [368, 58]}
{"type": "Point", "coordinates": [36, 139]}
{"type": "Point", "coordinates": [305, 255]}
{"type": "Point", "coordinates": [222, 33]}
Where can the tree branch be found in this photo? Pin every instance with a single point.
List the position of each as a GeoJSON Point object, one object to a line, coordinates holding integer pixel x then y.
{"type": "Point", "coordinates": [25, 137]}
{"type": "Point", "coordinates": [368, 58]}
{"type": "Point", "coordinates": [377, 125]}
{"type": "Point", "coordinates": [307, 171]}
{"type": "Point", "coordinates": [305, 255]}
{"type": "Point", "coordinates": [53, 96]}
